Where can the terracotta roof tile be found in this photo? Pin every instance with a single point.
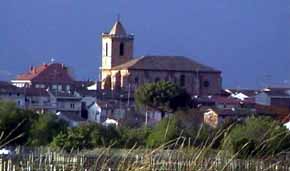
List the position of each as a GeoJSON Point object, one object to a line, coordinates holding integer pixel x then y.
{"type": "Point", "coordinates": [47, 73]}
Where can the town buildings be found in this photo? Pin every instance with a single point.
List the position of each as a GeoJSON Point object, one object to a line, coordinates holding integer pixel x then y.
{"type": "Point", "coordinates": [51, 88]}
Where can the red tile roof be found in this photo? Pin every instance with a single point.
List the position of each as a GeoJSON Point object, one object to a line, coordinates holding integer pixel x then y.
{"type": "Point", "coordinates": [47, 73]}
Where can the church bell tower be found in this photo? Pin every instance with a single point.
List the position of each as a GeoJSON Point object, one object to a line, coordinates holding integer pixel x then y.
{"type": "Point", "coordinates": [117, 48]}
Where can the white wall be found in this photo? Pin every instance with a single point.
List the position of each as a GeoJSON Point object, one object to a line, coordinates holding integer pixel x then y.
{"type": "Point", "coordinates": [263, 99]}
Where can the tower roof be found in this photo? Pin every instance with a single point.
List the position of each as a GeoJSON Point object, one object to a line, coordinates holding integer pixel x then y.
{"type": "Point", "coordinates": [118, 29]}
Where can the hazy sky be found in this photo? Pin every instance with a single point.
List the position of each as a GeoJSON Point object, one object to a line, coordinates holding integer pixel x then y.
{"type": "Point", "coordinates": [249, 40]}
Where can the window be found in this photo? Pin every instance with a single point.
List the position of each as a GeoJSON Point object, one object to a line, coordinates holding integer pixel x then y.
{"type": "Point", "coordinates": [54, 87]}
{"type": "Point", "coordinates": [182, 80]}
{"type": "Point", "coordinates": [67, 87]}
{"type": "Point", "coordinates": [106, 49]}
{"type": "Point", "coordinates": [147, 74]}
{"type": "Point", "coordinates": [72, 105]}
{"type": "Point", "coordinates": [59, 87]}
{"type": "Point", "coordinates": [136, 80]}
{"type": "Point", "coordinates": [122, 49]}
{"type": "Point", "coordinates": [206, 84]}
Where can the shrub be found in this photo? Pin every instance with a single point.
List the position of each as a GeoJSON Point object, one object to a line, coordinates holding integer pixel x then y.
{"type": "Point", "coordinates": [45, 126]}
{"type": "Point", "coordinates": [258, 137]}
{"type": "Point", "coordinates": [134, 137]}
{"type": "Point", "coordinates": [166, 130]}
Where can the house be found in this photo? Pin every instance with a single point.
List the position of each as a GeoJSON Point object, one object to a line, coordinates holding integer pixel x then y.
{"type": "Point", "coordinates": [215, 116]}
{"type": "Point", "coordinates": [120, 70]}
{"type": "Point", "coordinates": [66, 102]}
{"type": "Point", "coordinates": [10, 93]}
{"type": "Point", "coordinates": [279, 97]}
{"type": "Point", "coordinates": [39, 100]}
{"type": "Point", "coordinates": [53, 76]}
{"type": "Point", "coordinates": [100, 110]}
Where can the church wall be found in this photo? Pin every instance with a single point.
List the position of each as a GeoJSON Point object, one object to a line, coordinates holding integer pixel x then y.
{"type": "Point", "coordinates": [128, 51]}
{"type": "Point", "coordinates": [191, 83]}
{"type": "Point", "coordinates": [214, 84]}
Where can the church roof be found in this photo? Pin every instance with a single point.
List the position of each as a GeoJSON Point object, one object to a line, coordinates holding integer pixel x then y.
{"type": "Point", "coordinates": [118, 29]}
{"type": "Point", "coordinates": [169, 63]}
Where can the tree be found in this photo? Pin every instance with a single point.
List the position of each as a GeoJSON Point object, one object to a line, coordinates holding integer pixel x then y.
{"type": "Point", "coordinates": [14, 124]}
{"type": "Point", "coordinates": [258, 137]}
{"type": "Point", "coordinates": [87, 136]}
{"type": "Point", "coordinates": [45, 126]}
{"type": "Point", "coordinates": [163, 96]}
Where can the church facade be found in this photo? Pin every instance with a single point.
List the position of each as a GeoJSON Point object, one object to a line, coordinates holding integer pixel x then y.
{"type": "Point", "coordinates": [120, 70]}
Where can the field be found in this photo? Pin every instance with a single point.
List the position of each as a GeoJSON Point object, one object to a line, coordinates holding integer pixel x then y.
{"type": "Point", "coordinates": [43, 159]}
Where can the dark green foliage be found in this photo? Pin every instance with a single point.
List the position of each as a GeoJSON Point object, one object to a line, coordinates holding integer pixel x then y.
{"type": "Point", "coordinates": [45, 126]}
{"type": "Point", "coordinates": [163, 96]}
{"type": "Point", "coordinates": [134, 137]}
{"type": "Point", "coordinates": [166, 130]}
{"type": "Point", "coordinates": [258, 137]}
{"type": "Point", "coordinates": [14, 122]}
{"type": "Point", "coordinates": [35, 129]}
{"type": "Point", "coordinates": [87, 136]}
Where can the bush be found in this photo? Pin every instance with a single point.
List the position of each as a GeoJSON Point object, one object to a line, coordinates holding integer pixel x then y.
{"type": "Point", "coordinates": [87, 136]}
{"type": "Point", "coordinates": [166, 130]}
{"type": "Point", "coordinates": [14, 123]}
{"type": "Point", "coordinates": [258, 137]}
{"type": "Point", "coordinates": [45, 126]}
{"type": "Point", "coordinates": [134, 137]}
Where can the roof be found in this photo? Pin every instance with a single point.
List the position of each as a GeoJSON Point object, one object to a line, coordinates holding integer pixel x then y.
{"type": "Point", "coordinates": [247, 92]}
{"type": "Point", "coordinates": [48, 73]}
{"type": "Point", "coordinates": [277, 92]}
{"type": "Point", "coordinates": [169, 63]}
{"type": "Point", "coordinates": [7, 88]}
{"type": "Point", "coordinates": [118, 29]}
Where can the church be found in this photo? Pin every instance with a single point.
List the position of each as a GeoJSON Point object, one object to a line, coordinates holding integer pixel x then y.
{"type": "Point", "coordinates": [121, 70]}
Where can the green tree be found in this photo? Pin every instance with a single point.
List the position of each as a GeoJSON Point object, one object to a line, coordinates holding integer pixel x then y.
{"type": "Point", "coordinates": [87, 136]}
{"type": "Point", "coordinates": [134, 137]}
{"type": "Point", "coordinates": [166, 130]}
{"type": "Point", "coordinates": [14, 123]}
{"type": "Point", "coordinates": [163, 96]}
{"type": "Point", "coordinates": [258, 137]}
{"type": "Point", "coordinates": [45, 126]}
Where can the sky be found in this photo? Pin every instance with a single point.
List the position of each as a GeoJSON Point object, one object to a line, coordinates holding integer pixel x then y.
{"type": "Point", "coordinates": [248, 40]}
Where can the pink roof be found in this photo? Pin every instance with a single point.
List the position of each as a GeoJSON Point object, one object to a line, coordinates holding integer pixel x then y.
{"type": "Point", "coordinates": [47, 73]}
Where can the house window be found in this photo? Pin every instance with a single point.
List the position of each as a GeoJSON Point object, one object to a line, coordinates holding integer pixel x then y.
{"type": "Point", "coordinates": [72, 105]}
{"type": "Point", "coordinates": [67, 87]}
{"type": "Point", "coordinates": [147, 74]}
{"type": "Point", "coordinates": [54, 87]}
{"type": "Point", "coordinates": [122, 49]}
{"type": "Point", "coordinates": [206, 84]}
{"type": "Point", "coordinates": [59, 87]}
{"type": "Point", "coordinates": [182, 81]}
{"type": "Point", "coordinates": [136, 80]}
{"type": "Point", "coordinates": [106, 49]}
